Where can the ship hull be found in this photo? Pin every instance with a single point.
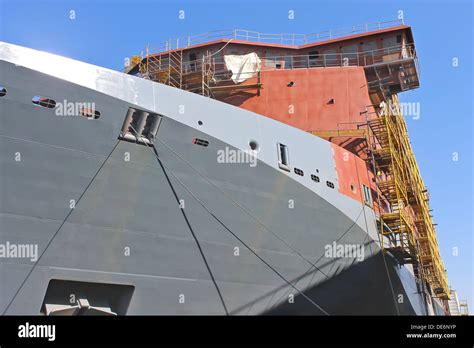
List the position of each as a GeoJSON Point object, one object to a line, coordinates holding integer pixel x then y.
{"type": "Point", "coordinates": [167, 229]}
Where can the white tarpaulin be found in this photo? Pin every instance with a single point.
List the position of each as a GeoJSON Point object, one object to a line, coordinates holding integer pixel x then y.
{"type": "Point", "coordinates": [243, 67]}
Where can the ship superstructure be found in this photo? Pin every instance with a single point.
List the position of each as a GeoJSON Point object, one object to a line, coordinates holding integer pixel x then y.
{"type": "Point", "coordinates": [138, 204]}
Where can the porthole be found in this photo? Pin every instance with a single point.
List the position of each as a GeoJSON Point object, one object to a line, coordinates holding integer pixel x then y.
{"type": "Point", "coordinates": [3, 91]}
{"type": "Point", "coordinates": [200, 142]}
{"type": "Point", "coordinates": [330, 184]}
{"type": "Point", "coordinates": [89, 113]}
{"type": "Point", "coordinates": [44, 102]}
{"type": "Point", "coordinates": [315, 178]}
{"type": "Point", "coordinates": [200, 122]}
{"type": "Point", "coordinates": [253, 145]}
{"type": "Point", "coordinates": [298, 172]}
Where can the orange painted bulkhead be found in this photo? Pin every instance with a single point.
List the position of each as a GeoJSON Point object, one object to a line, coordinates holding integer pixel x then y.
{"type": "Point", "coordinates": [318, 99]}
{"type": "Point", "coordinates": [352, 173]}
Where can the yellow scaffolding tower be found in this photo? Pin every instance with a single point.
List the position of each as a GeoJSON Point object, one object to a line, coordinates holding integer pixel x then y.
{"type": "Point", "coordinates": [463, 307]}
{"type": "Point", "coordinates": [407, 228]}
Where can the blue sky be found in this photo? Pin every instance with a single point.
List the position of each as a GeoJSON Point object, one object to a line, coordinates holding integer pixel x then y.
{"type": "Point", "coordinates": [105, 32]}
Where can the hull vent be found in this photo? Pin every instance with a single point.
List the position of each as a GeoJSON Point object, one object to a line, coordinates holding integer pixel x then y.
{"type": "Point", "coordinates": [140, 126]}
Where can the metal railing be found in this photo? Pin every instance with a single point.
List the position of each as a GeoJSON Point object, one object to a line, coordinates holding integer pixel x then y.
{"type": "Point", "coordinates": [281, 38]}
{"type": "Point", "coordinates": [367, 58]}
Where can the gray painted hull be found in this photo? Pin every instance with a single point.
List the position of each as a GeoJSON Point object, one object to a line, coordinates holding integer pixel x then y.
{"type": "Point", "coordinates": [128, 228]}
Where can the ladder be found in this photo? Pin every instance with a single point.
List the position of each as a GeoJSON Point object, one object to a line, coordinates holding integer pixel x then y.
{"type": "Point", "coordinates": [175, 68]}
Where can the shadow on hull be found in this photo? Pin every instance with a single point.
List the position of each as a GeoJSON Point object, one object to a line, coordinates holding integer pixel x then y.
{"type": "Point", "coordinates": [363, 289]}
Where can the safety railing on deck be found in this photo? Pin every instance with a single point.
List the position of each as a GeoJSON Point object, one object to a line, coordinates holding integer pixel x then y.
{"type": "Point", "coordinates": [367, 58]}
{"type": "Point", "coordinates": [281, 38]}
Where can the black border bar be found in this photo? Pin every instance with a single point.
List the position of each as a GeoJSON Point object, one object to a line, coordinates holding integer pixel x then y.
{"type": "Point", "coordinates": [135, 330]}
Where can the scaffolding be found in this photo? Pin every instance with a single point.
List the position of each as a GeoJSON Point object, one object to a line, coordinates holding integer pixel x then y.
{"type": "Point", "coordinates": [406, 226]}
{"type": "Point", "coordinates": [388, 70]}
{"type": "Point", "coordinates": [166, 69]}
{"type": "Point", "coordinates": [207, 76]}
{"type": "Point", "coordinates": [463, 308]}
